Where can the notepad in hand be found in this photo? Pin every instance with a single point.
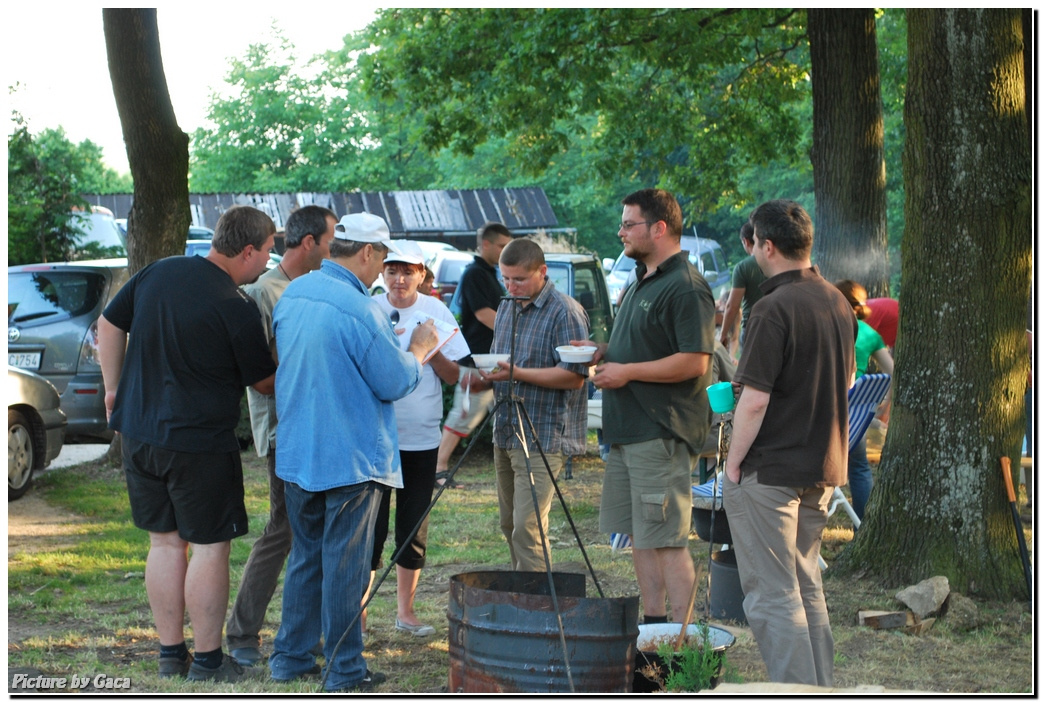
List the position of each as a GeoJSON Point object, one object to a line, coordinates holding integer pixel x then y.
{"type": "Point", "coordinates": [445, 331]}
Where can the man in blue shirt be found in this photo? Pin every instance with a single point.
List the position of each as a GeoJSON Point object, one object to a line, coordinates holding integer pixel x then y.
{"type": "Point", "coordinates": [308, 233]}
{"type": "Point", "coordinates": [340, 370]}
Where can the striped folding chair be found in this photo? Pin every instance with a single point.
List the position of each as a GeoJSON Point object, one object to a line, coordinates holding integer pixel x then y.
{"type": "Point", "coordinates": [864, 397]}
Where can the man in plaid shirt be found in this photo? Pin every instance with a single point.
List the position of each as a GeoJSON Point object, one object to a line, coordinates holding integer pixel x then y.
{"type": "Point", "coordinates": [553, 394]}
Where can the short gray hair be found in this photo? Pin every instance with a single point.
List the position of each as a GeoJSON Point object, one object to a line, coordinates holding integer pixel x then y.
{"type": "Point", "coordinates": [343, 248]}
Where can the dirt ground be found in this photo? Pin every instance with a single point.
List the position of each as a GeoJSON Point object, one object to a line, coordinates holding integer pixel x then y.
{"type": "Point", "coordinates": [35, 525]}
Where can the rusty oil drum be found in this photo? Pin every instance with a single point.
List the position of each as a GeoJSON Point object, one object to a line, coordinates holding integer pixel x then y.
{"type": "Point", "coordinates": [503, 635]}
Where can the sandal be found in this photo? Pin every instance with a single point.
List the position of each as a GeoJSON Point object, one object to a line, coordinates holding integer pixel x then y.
{"type": "Point", "coordinates": [442, 479]}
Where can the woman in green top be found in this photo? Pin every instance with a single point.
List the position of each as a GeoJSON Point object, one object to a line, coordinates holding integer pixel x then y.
{"type": "Point", "coordinates": [869, 346]}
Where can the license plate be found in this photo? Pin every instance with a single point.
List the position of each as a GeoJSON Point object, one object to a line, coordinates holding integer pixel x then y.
{"type": "Point", "coordinates": [29, 361]}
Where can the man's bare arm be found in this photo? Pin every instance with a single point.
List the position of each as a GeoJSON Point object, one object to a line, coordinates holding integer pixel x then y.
{"type": "Point", "coordinates": [748, 419]}
{"type": "Point", "coordinates": [112, 350]}
{"type": "Point", "coordinates": [486, 316]}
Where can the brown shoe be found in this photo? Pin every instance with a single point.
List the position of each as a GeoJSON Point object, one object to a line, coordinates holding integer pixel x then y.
{"type": "Point", "coordinates": [174, 667]}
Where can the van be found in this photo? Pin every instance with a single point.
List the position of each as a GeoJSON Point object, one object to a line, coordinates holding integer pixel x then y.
{"type": "Point", "coordinates": [580, 276]}
{"type": "Point", "coordinates": [706, 254]}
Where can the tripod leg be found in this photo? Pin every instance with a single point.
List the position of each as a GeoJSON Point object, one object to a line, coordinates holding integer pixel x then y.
{"type": "Point", "coordinates": [374, 588]}
{"type": "Point", "coordinates": [522, 417]}
{"type": "Point", "coordinates": [563, 502]}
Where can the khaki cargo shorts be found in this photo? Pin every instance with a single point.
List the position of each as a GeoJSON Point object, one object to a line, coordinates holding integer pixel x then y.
{"type": "Point", "coordinates": [646, 493]}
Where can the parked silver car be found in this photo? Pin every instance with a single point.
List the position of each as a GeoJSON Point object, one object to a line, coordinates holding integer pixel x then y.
{"type": "Point", "coordinates": [35, 428]}
{"type": "Point", "coordinates": [52, 315]}
{"type": "Point", "coordinates": [704, 253]}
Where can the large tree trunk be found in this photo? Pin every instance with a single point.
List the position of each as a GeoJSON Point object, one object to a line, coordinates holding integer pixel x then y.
{"type": "Point", "coordinates": [939, 506]}
{"type": "Point", "coordinates": [849, 176]}
{"type": "Point", "coordinates": [157, 148]}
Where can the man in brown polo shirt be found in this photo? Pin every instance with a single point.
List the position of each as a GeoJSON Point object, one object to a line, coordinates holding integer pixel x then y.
{"type": "Point", "coordinates": [789, 446]}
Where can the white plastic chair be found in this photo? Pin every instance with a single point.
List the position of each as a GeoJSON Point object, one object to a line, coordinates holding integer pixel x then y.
{"type": "Point", "coordinates": [864, 397]}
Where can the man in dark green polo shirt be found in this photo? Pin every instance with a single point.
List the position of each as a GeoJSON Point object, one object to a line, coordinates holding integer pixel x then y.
{"type": "Point", "coordinates": [656, 368]}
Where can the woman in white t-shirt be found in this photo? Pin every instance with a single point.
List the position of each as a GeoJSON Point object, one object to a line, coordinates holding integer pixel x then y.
{"type": "Point", "coordinates": [419, 425]}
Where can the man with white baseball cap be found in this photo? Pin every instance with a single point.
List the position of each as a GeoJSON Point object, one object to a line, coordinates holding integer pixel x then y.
{"type": "Point", "coordinates": [340, 370]}
{"type": "Point", "coordinates": [366, 228]}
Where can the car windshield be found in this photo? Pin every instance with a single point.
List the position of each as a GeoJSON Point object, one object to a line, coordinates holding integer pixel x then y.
{"type": "Point", "coordinates": [451, 270]}
{"type": "Point", "coordinates": [34, 295]}
{"type": "Point", "coordinates": [98, 229]}
{"type": "Point", "coordinates": [624, 264]}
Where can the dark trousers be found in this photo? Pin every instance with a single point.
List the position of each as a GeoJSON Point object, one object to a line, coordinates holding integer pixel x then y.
{"type": "Point", "coordinates": [260, 577]}
{"type": "Point", "coordinates": [411, 501]}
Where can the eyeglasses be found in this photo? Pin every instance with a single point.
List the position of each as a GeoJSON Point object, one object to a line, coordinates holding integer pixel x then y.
{"type": "Point", "coordinates": [626, 226]}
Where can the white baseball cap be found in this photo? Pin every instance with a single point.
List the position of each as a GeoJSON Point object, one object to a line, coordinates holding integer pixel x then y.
{"type": "Point", "coordinates": [366, 228]}
{"type": "Point", "coordinates": [408, 252]}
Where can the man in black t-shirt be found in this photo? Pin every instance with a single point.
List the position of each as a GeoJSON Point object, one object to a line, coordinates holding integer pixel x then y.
{"type": "Point", "coordinates": [175, 365]}
{"type": "Point", "coordinates": [479, 294]}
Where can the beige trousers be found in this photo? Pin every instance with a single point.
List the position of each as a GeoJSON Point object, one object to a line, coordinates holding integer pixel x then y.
{"type": "Point", "coordinates": [517, 512]}
{"type": "Point", "coordinates": [777, 537]}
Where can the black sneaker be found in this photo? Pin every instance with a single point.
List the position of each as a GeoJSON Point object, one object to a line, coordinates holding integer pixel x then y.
{"type": "Point", "coordinates": [228, 671]}
{"type": "Point", "coordinates": [370, 681]}
{"type": "Point", "coordinates": [174, 667]}
{"type": "Point", "coordinates": [314, 672]}
{"type": "Point", "coordinates": [247, 656]}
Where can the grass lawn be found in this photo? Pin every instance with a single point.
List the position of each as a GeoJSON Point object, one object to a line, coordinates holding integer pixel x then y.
{"type": "Point", "coordinates": [77, 604]}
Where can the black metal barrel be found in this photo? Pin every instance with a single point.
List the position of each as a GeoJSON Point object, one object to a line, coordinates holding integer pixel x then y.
{"type": "Point", "coordinates": [726, 598]}
{"type": "Point", "coordinates": [503, 635]}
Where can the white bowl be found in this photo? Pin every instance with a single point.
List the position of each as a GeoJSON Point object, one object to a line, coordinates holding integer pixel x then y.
{"type": "Point", "coordinates": [651, 635]}
{"type": "Point", "coordinates": [576, 354]}
{"type": "Point", "coordinates": [489, 361]}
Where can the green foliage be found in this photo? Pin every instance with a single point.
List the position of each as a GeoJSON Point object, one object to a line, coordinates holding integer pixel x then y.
{"type": "Point", "coordinates": [46, 173]}
{"type": "Point", "coordinates": [43, 177]}
{"type": "Point", "coordinates": [310, 128]}
{"type": "Point", "coordinates": [695, 666]}
{"type": "Point", "coordinates": [681, 98]}
{"type": "Point", "coordinates": [269, 127]}
{"type": "Point", "coordinates": [892, 65]}
{"type": "Point", "coordinates": [589, 104]}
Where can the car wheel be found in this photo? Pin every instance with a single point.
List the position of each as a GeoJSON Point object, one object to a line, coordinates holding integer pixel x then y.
{"type": "Point", "coordinates": [21, 454]}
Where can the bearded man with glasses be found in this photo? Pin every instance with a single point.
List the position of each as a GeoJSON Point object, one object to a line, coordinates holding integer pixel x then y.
{"type": "Point", "coordinates": [654, 372]}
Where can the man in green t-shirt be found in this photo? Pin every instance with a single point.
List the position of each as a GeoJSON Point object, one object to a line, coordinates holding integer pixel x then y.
{"type": "Point", "coordinates": [744, 293]}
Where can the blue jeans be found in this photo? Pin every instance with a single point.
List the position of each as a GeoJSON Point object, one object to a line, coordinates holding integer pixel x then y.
{"type": "Point", "coordinates": [326, 578]}
{"type": "Point", "coordinates": [860, 478]}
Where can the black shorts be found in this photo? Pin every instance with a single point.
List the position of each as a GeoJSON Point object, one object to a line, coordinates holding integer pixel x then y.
{"type": "Point", "coordinates": [198, 495]}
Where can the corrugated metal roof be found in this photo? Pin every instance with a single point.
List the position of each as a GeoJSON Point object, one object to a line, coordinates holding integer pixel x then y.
{"type": "Point", "coordinates": [424, 213]}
